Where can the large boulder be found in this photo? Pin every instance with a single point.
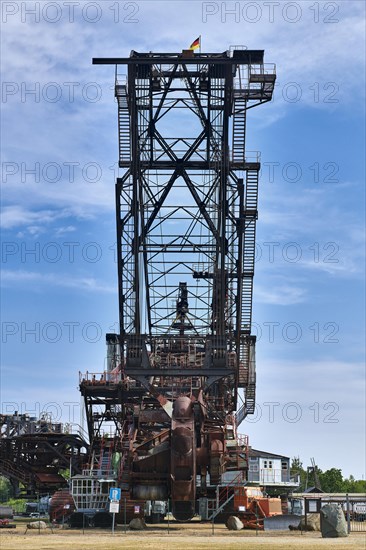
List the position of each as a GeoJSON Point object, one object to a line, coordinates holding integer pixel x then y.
{"type": "Point", "coordinates": [312, 523]}
{"type": "Point", "coordinates": [37, 525]}
{"type": "Point", "coordinates": [234, 524]}
{"type": "Point", "coordinates": [137, 524]}
{"type": "Point", "coordinates": [332, 521]}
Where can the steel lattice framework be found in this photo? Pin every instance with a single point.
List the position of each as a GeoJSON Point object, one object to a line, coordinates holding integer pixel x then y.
{"type": "Point", "coordinates": [186, 211]}
{"type": "Point", "coordinates": [187, 203]}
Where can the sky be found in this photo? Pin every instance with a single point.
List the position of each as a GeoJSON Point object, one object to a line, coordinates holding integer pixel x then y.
{"type": "Point", "coordinates": [58, 166]}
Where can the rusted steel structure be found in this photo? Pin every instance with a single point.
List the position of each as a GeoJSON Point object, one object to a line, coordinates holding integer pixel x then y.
{"type": "Point", "coordinates": [186, 206]}
{"type": "Point", "coordinates": [34, 452]}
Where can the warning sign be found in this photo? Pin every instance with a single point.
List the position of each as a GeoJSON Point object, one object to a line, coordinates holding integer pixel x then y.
{"type": "Point", "coordinates": [114, 507]}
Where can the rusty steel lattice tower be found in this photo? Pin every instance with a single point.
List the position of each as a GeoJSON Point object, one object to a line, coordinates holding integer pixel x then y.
{"type": "Point", "coordinates": [186, 207]}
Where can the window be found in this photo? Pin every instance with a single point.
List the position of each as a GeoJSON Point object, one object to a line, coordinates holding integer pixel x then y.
{"type": "Point", "coordinates": [270, 464]}
{"type": "Point", "coordinates": [253, 467]}
{"type": "Point", "coordinates": [284, 465]}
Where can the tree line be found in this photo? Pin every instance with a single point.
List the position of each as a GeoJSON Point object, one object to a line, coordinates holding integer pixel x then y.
{"type": "Point", "coordinates": [331, 481]}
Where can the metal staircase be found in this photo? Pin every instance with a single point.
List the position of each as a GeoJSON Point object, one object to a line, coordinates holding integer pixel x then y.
{"type": "Point", "coordinates": [215, 511]}
{"type": "Point", "coordinates": [124, 467]}
{"type": "Point", "coordinates": [250, 218]}
{"type": "Point", "coordinates": [123, 126]}
{"type": "Point", "coordinates": [251, 214]}
{"type": "Point", "coordinates": [237, 459]}
{"type": "Point", "coordinates": [250, 390]}
{"type": "Point", "coordinates": [247, 377]}
{"type": "Point", "coordinates": [128, 435]}
{"type": "Point", "coordinates": [239, 121]}
{"type": "Point", "coordinates": [224, 494]}
{"type": "Point", "coordinates": [240, 415]}
{"type": "Point", "coordinates": [246, 372]}
{"type": "Point", "coordinates": [243, 371]}
{"type": "Point", "coordinates": [104, 460]}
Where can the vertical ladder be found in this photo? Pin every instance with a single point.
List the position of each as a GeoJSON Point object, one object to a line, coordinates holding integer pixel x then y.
{"type": "Point", "coordinates": [123, 125]}
{"type": "Point", "coordinates": [239, 121]}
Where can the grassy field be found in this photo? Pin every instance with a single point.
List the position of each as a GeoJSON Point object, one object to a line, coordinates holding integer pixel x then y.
{"type": "Point", "coordinates": [180, 536]}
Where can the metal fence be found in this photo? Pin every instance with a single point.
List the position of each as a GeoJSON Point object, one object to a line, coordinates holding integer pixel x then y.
{"type": "Point", "coordinates": [353, 506]}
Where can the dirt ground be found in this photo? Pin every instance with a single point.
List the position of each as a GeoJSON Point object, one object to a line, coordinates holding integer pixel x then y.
{"type": "Point", "coordinates": [190, 536]}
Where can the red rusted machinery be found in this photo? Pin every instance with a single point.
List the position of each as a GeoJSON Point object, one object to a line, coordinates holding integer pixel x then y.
{"type": "Point", "coordinates": [251, 506]}
{"type": "Point", "coordinates": [35, 451]}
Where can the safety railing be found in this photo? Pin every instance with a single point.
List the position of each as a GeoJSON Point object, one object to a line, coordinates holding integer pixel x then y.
{"type": "Point", "coordinates": [100, 378]}
{"type": "Point", "coordinates": [263, 69]}
{"type": "Point", "coordinates": [100, 473]}
{"type": "Point", "coordinates": [267, 476]}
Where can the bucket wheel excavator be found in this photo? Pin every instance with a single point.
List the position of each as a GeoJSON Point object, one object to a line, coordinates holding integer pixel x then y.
{"type": "Point", "coordinates": [163, 416]}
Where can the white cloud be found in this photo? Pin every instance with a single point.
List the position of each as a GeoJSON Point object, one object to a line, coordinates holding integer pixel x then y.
{"type": "Point", "coordinates": [36, 281]}
{"type": "Point", "coordinates": [283, 295]}
{"type": "Point", "coordinates": [315, 228]}
{"type": "Point", "coordinates": [16, 216]}
{"type": "Point", "coordinates": [33, 220]}
{"type": "Point", "coordinates": [67, 229]}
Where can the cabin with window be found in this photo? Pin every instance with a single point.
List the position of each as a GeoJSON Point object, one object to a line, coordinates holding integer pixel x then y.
{"type": "Point", "coordinates": [270, 469]}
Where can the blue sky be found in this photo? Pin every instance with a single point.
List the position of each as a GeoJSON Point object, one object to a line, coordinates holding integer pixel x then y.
{"type": "Point", "coordinates": [58, 275]}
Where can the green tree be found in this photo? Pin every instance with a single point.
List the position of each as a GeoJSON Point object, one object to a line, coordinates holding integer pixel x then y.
{"type": "Point", "coordinates": [5, 489]}
{"type": "Point", "coordinates": [18, 504]}
{"type": "Point", "coordinates": [331, 481]}
{"type": "Point", "coordinates": [296, 464]}
{"type": "Point", "coordinates": [352, 485]}
{"type": "Point", "coordinates": [297, 468]}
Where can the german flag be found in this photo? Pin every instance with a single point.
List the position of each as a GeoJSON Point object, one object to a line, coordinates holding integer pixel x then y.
{"type": "Point", "coordinates": [195, 44]}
